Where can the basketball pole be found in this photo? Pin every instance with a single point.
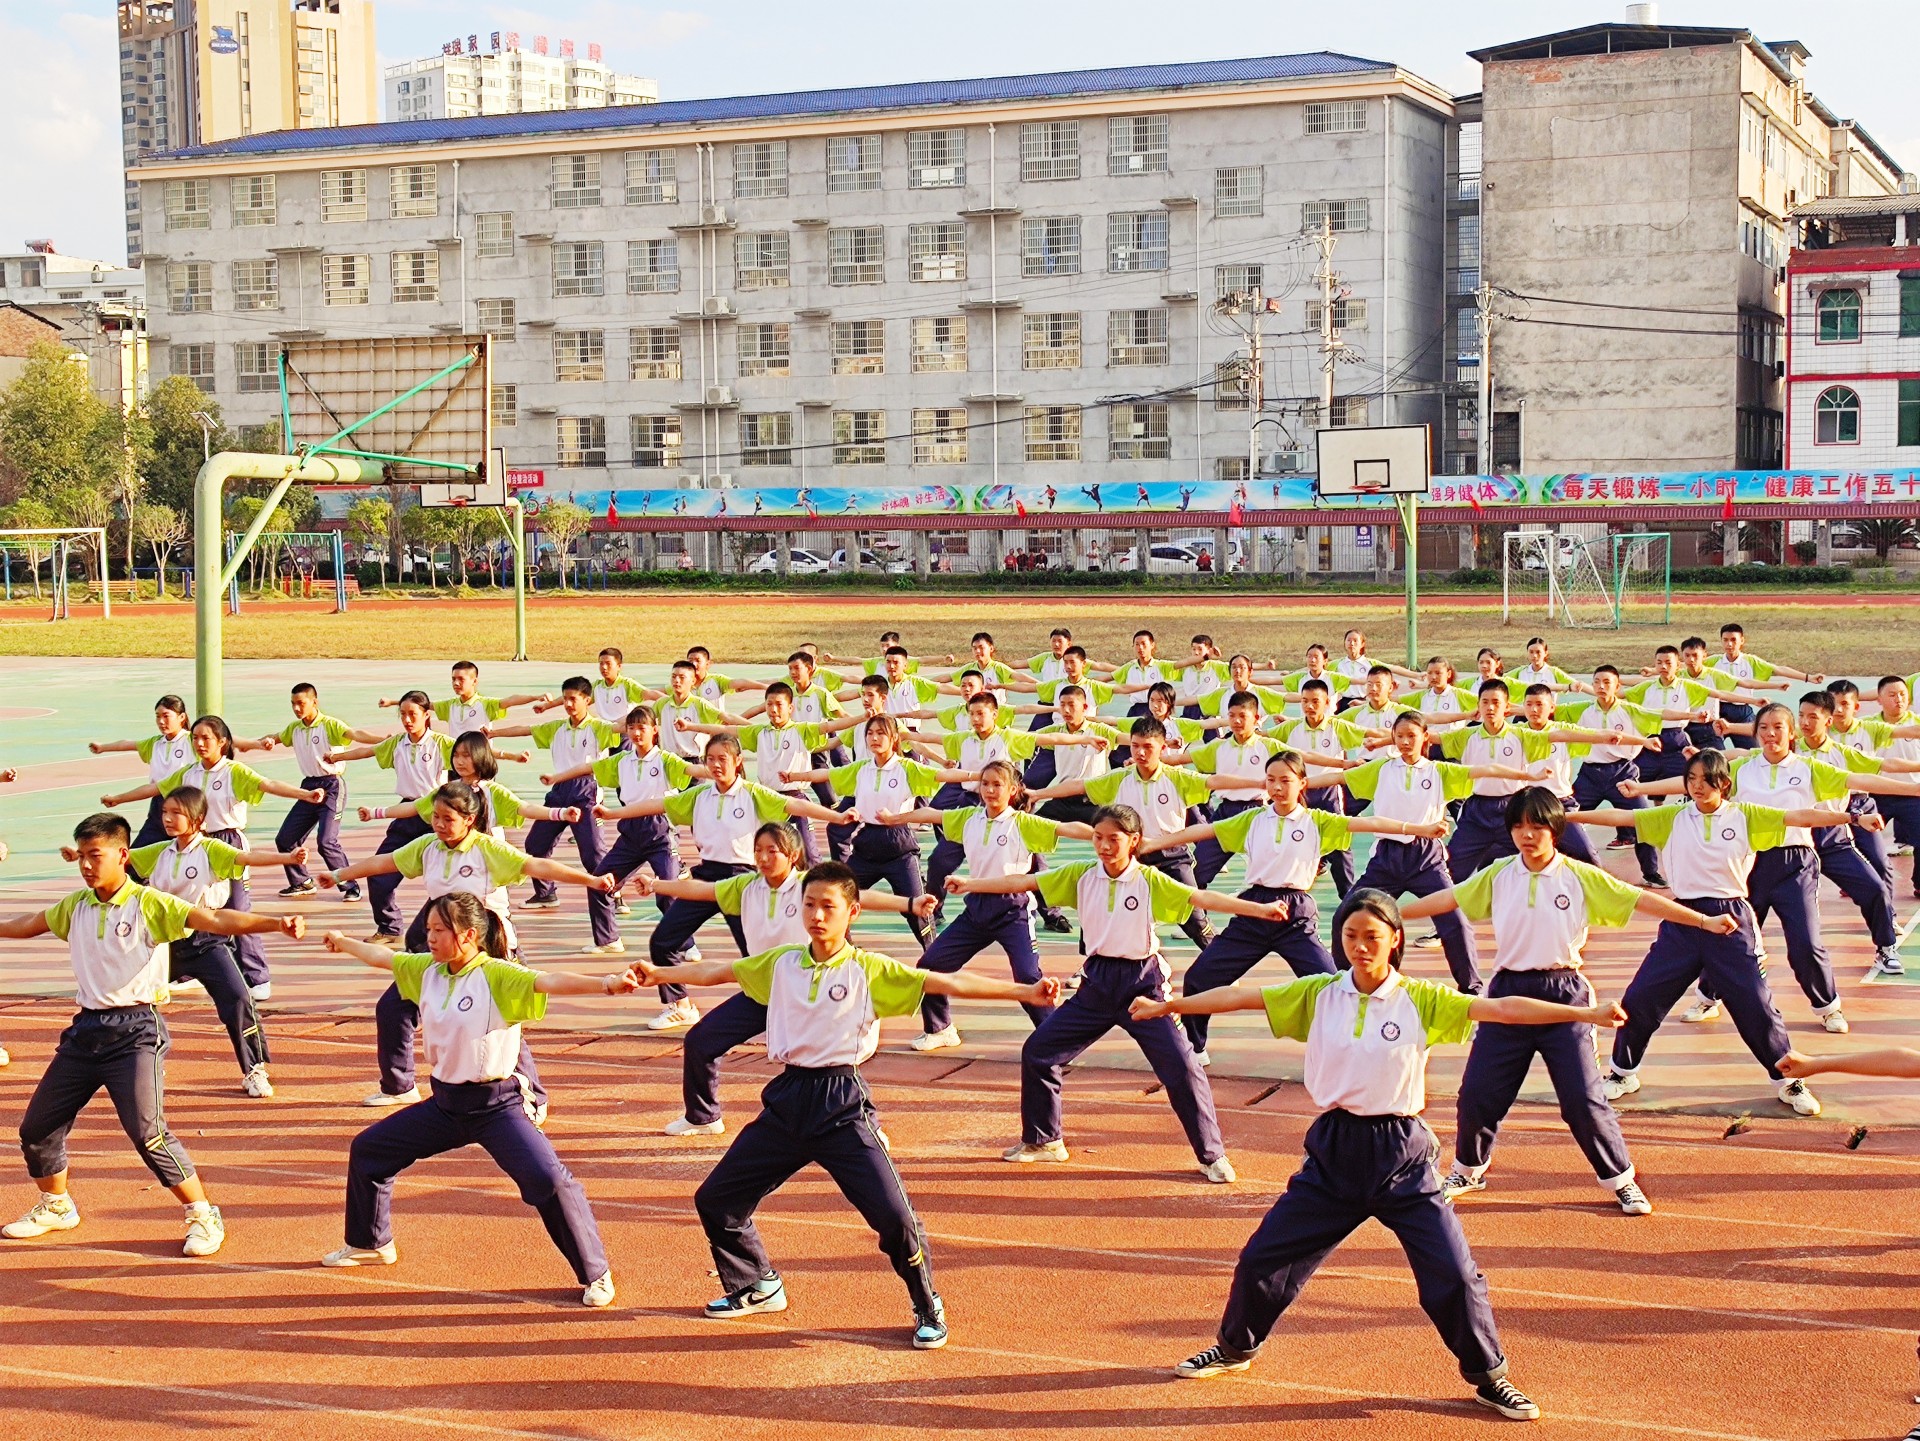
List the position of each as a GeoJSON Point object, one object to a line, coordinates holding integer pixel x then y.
{"type": "Point", "coordinates": [1410, 528]}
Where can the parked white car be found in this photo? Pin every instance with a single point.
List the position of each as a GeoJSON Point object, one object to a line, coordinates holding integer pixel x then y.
{"type": "Point", "coordinates": [1164, 558]}
{"type": "Point", "coordinates": [799, 562]}
{"type": "Point", "coordinates": [873, 560]}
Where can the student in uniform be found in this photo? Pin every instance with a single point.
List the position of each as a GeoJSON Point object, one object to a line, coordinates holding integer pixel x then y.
{"type": "Point", "coordinates": [1709, 844]}
{"type": "Point", "coordinates": [997, 837]}
{"type": "Point", "coordinates": [822, 1002]}
{"type": "Point", "coordinates": [230, 788]}
{"type": "Point", "coordinates": [168, 750]}
{"type": "Point", "coordinates": [1269, 703]}
{"type": "Point", "coordinates": [1875, 738]}
{"type": "Point", "coordinates": [1142, 671]}
{"type": "Point", "coordinates": [777, 746]}
{"type": "Point", "coordinates": [418, 758]}
{"type": "Point", "coordinates": [473, 759]}
{"type": "Point", "coordinates": [1368, 1032]}
{"type": "Point", "coordinates": [1283, 842]}
{"type": "Point", "coordinates": [313, 737]}
{"type": "Point", "coordinates": [1242, 752]}
{"type": "Point", "coordinates": [117, 933]}
{"type": "Point", "coordinates": [1538, 709]}
{"type": "Point", "coordinates": [1540, 669]}
{"type": "Point", "coordinates": [1666, 689]}
{"type": "Point", "coordinates": [1120, 903]}
{"type": "Point", "coordinates": [1751, 673]}
{"type": "Point", "coordinates": [614, 694]}
{"type": "Point", "coordinates": [468, 710]}
{"type": "Point", "coordinates": [1202, 674]}
{"type": "Point", "coordinates": [1076, 763]}
{"type": "Point", "coordinates": [199, 871]}
{"type": "Point", "coordinates": [1895, 696]}
{"type": "Point", "coordinates": [1326, 741]}
{"type": "Point", "coordinates": [766, 903]}
{"type": "Point", "coordinates": [723, 813]}
{"type": "Point", "coordinates": [1440, 700]}
{"type": "Point", "coordinates": [1541, 905]}
{"type": "Point", "coordinates": [1609, 773]}
{"type": "Point", "coordinates": [460, 855]}
{"type": "Point", "coordinates": [814, 704]}
{"type": "Point", "coordinates": [475, 1002]}
{"type": "Point", "coordinates": [1406, 786]}
{"type": "Point", "coordinates": [708, 683]}
{"type": "Point", "coordinates": [1702, 735]}
{"type": "Point", "coordinates": [681, 702]}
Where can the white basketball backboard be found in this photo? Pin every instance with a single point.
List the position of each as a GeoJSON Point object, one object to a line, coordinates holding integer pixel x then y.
{"type": "Point", "coordinates": [487, 488]}
{"type": "Point", "coordinates": [1374, 460]}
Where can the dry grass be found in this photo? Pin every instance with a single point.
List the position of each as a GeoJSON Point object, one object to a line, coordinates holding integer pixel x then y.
{"type": "Point", "coordinates": [1853, 634]}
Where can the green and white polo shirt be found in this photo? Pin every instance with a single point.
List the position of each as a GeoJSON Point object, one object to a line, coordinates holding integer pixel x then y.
{"type": "Point", "coordinates": [474, 714]}
{"type": "Point", "coordinates": [1798, 782]}
{"type": "Point", "coordinates": [1454, 698]}
{"type": "Point", "coordinates": [776, 749]}
{"type": "Point", "coordinates": [1368, 1053]}
{"type": "Point", "coordinates": [313, 744]}
{"type": "Point", "coordinates": [1330, 738]}
{"type": "Point", "coordinates": [1161, 796]}
{"type": "Point", "coordinates": [892, 787]}
{"type": "Point", "coordinates": [418, 766]}
{"type": "Point", "coordinates": [1512, 745]}
{"type": "Point", "coordinates": [1416, 793]}
{"type": "Point", "coordinates": [723, 822]}
{"type": "Point", "coordinates": [635, 777]}
{"type": "Point", "coordinates": [821, 1013]}
{"type": "Point", "coordinates": [1118, 913]}
{"type": "Point", "coordinates": [1099, 692]}
{"type": "Point", "coordinates": [769, 915]}
{"type": "Point", "coordinates": [573, 745]}
{"type": "Point", "coordinates": [612, 699]}
{"type": "Point", "coordinates": [200, 873]}
{"type": "Point", "coordinates": [505, 810]}
{"type": "Point", "coordinates": [166, 754]}
{"type": "Point", "coordinates": [1541, 918]}
{"type": "Point", "coordinates": [1205, 679]}
{"type": "Point", "coordinates": [1709, 854]}
{"type": "Point", "coordinates": [478, 866]}
{"type": "Point", "coordinates": [118, 947]}
{"type": "Point", "coordinates": [472, 1017]}
{"type": "Point", "coordinates": [688, 745]}
{"type": "Point", "coordinates": [1077, 763]}
{"type": "Point", "coordinates": [230, 788]}
{"type": "Point", "coordinates": [1230, 757]}
{"type": "Point", "coordinates": [1002, 845]}
{"type": "Point", "coordinates": [1622, 717]}
{"type": "Point", "coordinates": [969, 750]}
{"type": "Point", "coordinates": [1283, 851]}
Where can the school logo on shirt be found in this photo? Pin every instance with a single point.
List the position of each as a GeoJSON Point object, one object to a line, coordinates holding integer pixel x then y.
{"type": "Point", "coordinates": [1793, 780]}
{"type": "Point", "coordinates": [792, 910]}
{"type": "Point", "coordinates": [1132, 903]}
{"type": "Point", "coordinates": [836, 992]}
{"type": "Point", "coordinates": [124, 929]}
{"type": "Point", "coordinates": [192, 873]}
{"type": "Point", "coordinates": [1001, 839]}
{"type": "Point", "coordinates": [1164, 797]}
{"type": "Point", "coordinates": [739, 813]}
{"type": "Point", "coordinates": [215, 785]}
{"type": "Point", "coordinates": [1389, 1030]}
{"type": "Point", "coordinates": [1297, 836]}
{"type": "Point", "coordinates": [1564, 903]}
{"type": "Point", "coordinates": [1727, 834]}
{"type": "Point", "coordinates": [466, 1004]}
{"type": "Point", "coordinates": [1426, 783]}
{"type": "Point", "coordinates": [466, 872]}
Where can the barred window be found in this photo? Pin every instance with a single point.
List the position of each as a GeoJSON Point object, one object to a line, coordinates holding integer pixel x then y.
{"type": "Point", "coordinates": [1347, 314]}
{"type": "Point", "coordinates": [255, 199]}
{"type": "Point", "coordinates": [939, 343]}
{"type": "Point", "coordinates": [1050, 150]}
{"type": "Point", "coordinates": [1347, 410]}
{"type": "Point", "coordinates": [853, 163]}
{"type": "Point", "coordinates": [1050, 342]}
{"type": "Point", "coordinates": [416, 275]}
{"type": "Point", "coordinates": [936, 159]}
{"type": "Point", "coordinates": [189, 204]}
{"type": "Point", "coordinates": [658, 441]}
{"type": "Point", "coordinates": [190, 287]}
{"type": "Point", "coordinates": [256, 367]}
{"type": "Point", "coordinates": [766, 438]}
{"type": "Point", "coordinates": [653, 267]}
{"type": "Point", "coordinates": [859, 437]}
{"type": "Point", "coordinates": [579, 355]}
{"type": "Point", "coordinates": [414, 191]}
{"type": "Point", "coordinates": [653, 353]}
{"type": "Point", "coordinates": [579, 268]}
{"type": "Point", "coordinates": [1336, 117]}
{"type": "Point", "coordinates": [1239, 190]}
{"type": "Point", "coordinates": [940, 437]}
{"type": "Point", "coordinates": [1137, 240]}
{"type": "Point", "coordinates": [937, 251]}
{"type": "Point", "coordinates": [1237, 279]}
{"type": "Point", "coordinates": [762, 260]}
{"type": "Point", "coordinates": [1138, 432]}
{"type": "Point", "coordinates": [1339, 215]}
{"type": "Point", "coordinates": [1052, 432]}
{"type": "Point", "coordinates": [1136, 144]}
{"type": "Point", "coordinates": [1137, 337]}
{"type": "Point", "coordinates": [493, 235]}
{"type": "Point", "coordinates": [346, 279]}
{"type": "Point", "coordinates": [651, 179]}
{"type": "Point", "coordinates": [1050, 245]}
{"type": "Point", "coordinates": [859, 347]}
{"type": "Point", "coordinates": [503, 404]}
{"type": "Point", "coordinates": [857, 256]}
{"type": "Point", "coordinates": [256, 285]}
{"type": "Point", "coordinates": [576, 181]}
{"type": "Point", "coordinates": [582, 441]}
{"type": "Point", "coordinates": [496, 317]}
{"type": "Point", "coordinates": [343, 195]}
{"type": "Point", "coordinates": [760, 170]}
{"type": "Point", "coordinates": [194, 361]}
{"type": "Point", "coordinates": [766, 349]}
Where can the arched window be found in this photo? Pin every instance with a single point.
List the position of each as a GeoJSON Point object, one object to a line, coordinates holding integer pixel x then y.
{"type": "Point", "coordinates": [1839, 315]}
{"type": "Point", "coordinates": [1836, 417]}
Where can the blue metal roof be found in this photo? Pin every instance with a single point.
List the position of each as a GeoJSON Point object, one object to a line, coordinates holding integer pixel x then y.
{"type": "Point", "coordinates": [798, 103]}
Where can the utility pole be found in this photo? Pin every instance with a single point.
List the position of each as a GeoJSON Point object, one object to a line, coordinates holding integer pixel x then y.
{"type": "Point", "coordinates": [1483, 440]}
{"type": "Point", "coordinates": [1330, 342]}
{"type": "Point", "coordinates": [1255, 304]}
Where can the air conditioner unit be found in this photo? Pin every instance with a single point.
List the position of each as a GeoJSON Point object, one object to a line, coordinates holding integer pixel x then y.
{"type": "Point", "coordinates": [720, 395]}
{"type": "Point", "coordinates": [714, 215]}
{"type": "Point", "coordinates": [716, 305]}
{"type": "Point", "coordinates": [1136, 162]}
{"type": "Point", "coordinates": [1283, 462]}
{"type": "Point", "coordinates": [719, 482]}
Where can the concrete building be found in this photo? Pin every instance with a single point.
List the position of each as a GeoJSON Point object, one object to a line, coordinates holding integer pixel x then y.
{"type": "Point", "coordinates": [1637, 180]}
{"type": "Point", "coordinates": [193, 72]}
{"type": "Point", "coordinates": [97, 309]}
{"type": "Point", "coordinates": [20, 330]}
{"type": "Point", "coordinates": [507, 80]}
{"type": "Point", "coordinates": [958, 282]}
{"type": "Point", "coordinates": [1853, 334]}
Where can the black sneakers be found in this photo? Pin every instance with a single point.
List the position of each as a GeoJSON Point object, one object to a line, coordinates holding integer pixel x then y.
{"type": "Point", "coordinates": [1216, 1360]}
{"type": "Point", "coordinates": [1508, 1399]}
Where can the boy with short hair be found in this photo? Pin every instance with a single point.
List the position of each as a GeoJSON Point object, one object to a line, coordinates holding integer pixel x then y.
{"type": "Point", "coordinates": [312, 738]}
{"type": "Point", "coordinates": [468, 710]}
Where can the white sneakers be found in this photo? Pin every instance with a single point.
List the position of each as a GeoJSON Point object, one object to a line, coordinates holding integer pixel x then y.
{"type": "Point", "coordinates": [1203, 1058]}
{"type": "Point", "coordinates": [353, 1256]}
{"type": "Point", "coordinates": [206, 1232]}
{"type": "Point", "coordinates": [682, 1012]}
{"type": "Point", "coordinates": [1834, 1022]}
{"type": "Point", "coordinates": [937, 1040]}
{"type": "Point", "coordinates": [599, 1291]}
{"type": "Point", "coordinates": [1797, 1095]}
{"type": "Point", "coordinates": [1613, 1085]}
{"type": "Point", "coordinates": [5, 1059]}
{"type": "Point", "coordinates": [255, 1082]}
{"type": "Point", "coordinates": [1220, 1172]}
{"type": "Point", "coordinates": [381, 1098]}
{"type": "Point", "coordinates": [1702, 1009]}
{"type": "Point", "coordinates": [681, 1126]}
{"type": "Point", "coordinates": [1024, 1154]}
{"type": "Point", "coordinates": [614, 947]}
{"type": "Point", "coordinates": [261, 992]}
{"type": "Point", "coordinates": [49, 1213]}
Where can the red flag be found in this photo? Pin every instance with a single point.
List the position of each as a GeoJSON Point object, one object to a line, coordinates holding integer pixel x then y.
{"type": "Point", "coordinates": [1473, 498]}
{"type": "Point", "coordinates": [613, 511]}
{"type": "Point", "coordinates": [1235, 515]}
{"type": "Point", "coordinates": [1726, 510]}
{"type": "Point", "coordinates": [1019, 506]}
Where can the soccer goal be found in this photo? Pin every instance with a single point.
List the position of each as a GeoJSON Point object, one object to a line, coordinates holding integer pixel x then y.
{"type": "Point", "coordinates": [1558, 578]}
{"type": "Point", "coordinates": [1643, 576]}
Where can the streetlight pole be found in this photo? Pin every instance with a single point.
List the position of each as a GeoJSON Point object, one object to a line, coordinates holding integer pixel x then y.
{"type": "Point", "coordinates": [206, 434]}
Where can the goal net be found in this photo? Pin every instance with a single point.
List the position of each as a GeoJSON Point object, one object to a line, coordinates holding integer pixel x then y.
{"type": "Point", "coordinates": [1643, 577]}
{"type": "Point", "coordinates": [1559, 578]}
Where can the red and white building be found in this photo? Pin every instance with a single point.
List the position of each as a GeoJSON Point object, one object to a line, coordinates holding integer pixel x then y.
{"type": "Point", "coordinates": [1853, 334]}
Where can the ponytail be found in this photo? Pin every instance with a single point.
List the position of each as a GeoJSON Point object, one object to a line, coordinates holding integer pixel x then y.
{"type": "Point", "coordinates": [459, 911]}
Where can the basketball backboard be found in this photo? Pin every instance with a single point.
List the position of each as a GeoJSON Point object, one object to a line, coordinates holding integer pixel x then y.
{"type": "Point", "coordinates": [417, 403]}
{"type": "Point", "coordinates": [1367, 460]}
{"type": "Point", "coordinates": [487, 488]}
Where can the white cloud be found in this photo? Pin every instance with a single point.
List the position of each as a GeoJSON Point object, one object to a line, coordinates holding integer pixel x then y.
{"type": "Point", "coordinates": [61, 167]}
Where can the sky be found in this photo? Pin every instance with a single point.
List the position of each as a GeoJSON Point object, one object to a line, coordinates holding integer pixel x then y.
{"type": "Point", "coordinates": [60, 175]}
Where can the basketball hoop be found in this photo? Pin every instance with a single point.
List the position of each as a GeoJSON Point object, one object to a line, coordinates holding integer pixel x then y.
{"type": "Point", "coordinates": [1372, 477]}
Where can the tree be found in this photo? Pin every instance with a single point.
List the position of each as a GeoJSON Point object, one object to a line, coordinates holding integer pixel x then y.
{"type": "Point", "coordinates": [178, 443]}
{"type": "Point", "coordinates": [161, 527]}
{"type": "Point", "coordinates": [564, 522]}
{"type": "Point", "coordinates": [425, 527]}
{"type": "Point", "coordinates": [369, 521]}
{"type": "Point", "coordinates": [31, 513]}
{"type": "Point", "coordinates": [52, 424]}
{"type": "Point", "coordinates": [263, 559]}
{"type": "Point", "coordinates": [1886, 536]}
{"type": "Point", "coordinates": [131, 435]}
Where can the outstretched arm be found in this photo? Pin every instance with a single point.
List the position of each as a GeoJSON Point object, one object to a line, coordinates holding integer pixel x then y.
{"type": "Point", "coordinates": [146, 792]}
{"type": "Point", "coordinates": [1673, 786]}
{"type": "Point", "coordinates": [383, 865]}
{"type": "Point", "coordinates": [1663, 908]}
{"type": "Point", "coordinates": [1215, 1002]}
{"type": "Point", "coordinates": [340, 943]}
{"type": "Point", "coordinates": [546, 870]}
{"type": "Point", "coordinates": [1897, 1061]}
{"type": "Point", "coordinates": [992, 885]}
{"type": "Point", "coordinates": [101, 748]}
{"type": "Point", "coordinates": [24, 928]}
{"type": "Point", "coordinates": [1236, 906]}
{"type": "Point", "coordinates": [1173, 840]}
{"type": "Point", "coordinates": [292, 793]}
{"type": "Point", "coordinates": [627, 813]}
{"type": "Point", "coordinates": [1437, 904]}
{"type": "Point", "coordinates": [694, 973]}
{"type": "Point", "coordinates": [295, 857]}
{"type": "Point", "coordinates": [812, 811]}
{"type": "Point", "coordinates": [244, 923]}
{"type": "Point", "coordinates": [1526, 1011]}
{"type": "Point", "coordinates": [971, 987]}
{"type": "Point", "coordinates": [572, 983]}
{"type": "Point", "coordinates": [356, 753]}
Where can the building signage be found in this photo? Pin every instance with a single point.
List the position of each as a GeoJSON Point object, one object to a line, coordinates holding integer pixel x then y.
{"type": "Point", "coordinates": [223, 42]}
